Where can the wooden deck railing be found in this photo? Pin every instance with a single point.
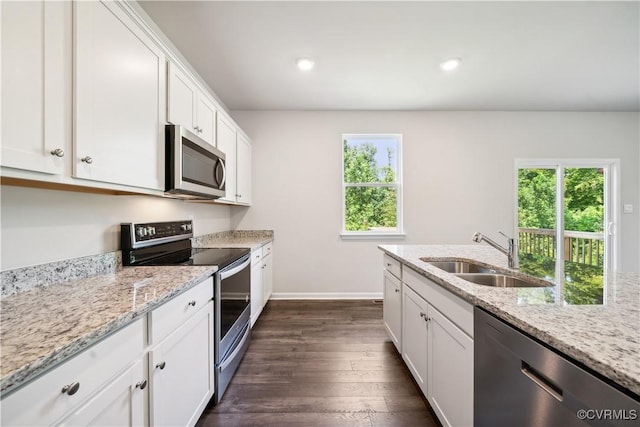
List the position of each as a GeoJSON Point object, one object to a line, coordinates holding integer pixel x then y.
{"type": "Point", "coordinates": [579, 246]}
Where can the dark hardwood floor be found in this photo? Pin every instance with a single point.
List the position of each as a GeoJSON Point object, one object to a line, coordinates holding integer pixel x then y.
{"type": "Point", "coordinates": [321, 363]}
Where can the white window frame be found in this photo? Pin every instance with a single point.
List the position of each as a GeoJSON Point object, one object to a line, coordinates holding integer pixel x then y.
{"type": "Point", "coordinates": [611, 200]}
{"type": "Point", "coordinates": [374, 234]}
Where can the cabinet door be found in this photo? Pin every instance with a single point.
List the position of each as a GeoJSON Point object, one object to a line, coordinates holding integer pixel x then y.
{"type": "Point", "coordinates": [206, 113]}
{"type": "Point", "coordinates": [392, 308]}
{"type": "Point", "coordinates": [119, 403]}
{"type": "Point", "coordinates": [267, 277]}
{"type": "Point", "coordinates": [227, 144]}
{"type": "Point", "coordinates": [450, 379]}
{"type": "Point", "coordinates": [181, 101]}
{"type": "Point", "coordinates": [120, 93]}
{"type": "Point", "coordinates": [36, 87]}
{"type": "Point", "coordinates": [414, 328]}
{"type": "Point", "coordinates": [257, 291]}
{"type": "Point", "coordinates": [243, 173]}
{"type": "Point", "coordinates": [182, 372]}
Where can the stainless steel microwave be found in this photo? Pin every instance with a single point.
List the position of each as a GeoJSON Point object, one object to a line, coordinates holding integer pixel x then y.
{"type": "Point", "coordinates": [194, 169]}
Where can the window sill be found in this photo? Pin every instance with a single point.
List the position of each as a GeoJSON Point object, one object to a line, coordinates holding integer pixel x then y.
{"type": "Point", "coordinates": [372, 236]}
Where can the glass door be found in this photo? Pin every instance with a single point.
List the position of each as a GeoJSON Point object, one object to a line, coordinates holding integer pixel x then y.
{"type": "Point", "coordinates": [565, 227]}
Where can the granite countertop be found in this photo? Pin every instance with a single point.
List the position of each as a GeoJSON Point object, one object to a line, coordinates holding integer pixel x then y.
{"type": "Point", "coordinates": [603, 333]}
{"type": "Point", "coordinates": [41, 327]}
{"type": "Point", "coordinates": [252, 239]}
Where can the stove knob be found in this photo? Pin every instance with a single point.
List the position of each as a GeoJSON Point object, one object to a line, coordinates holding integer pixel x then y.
{"type": "Point", "coordinates": [151, 231]}
{"type": "Point", "coordinates": [142, 231]}
{"type": "Point", "coordinates": [189, 227]}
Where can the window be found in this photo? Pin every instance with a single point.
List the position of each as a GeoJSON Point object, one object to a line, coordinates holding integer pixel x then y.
{"type": "Point", "coordinates": [565, 224]}
{"type": "Point", "coordinates": [371, 181]}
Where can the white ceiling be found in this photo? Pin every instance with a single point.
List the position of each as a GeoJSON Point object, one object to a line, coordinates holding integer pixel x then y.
{"type": "Point", "coordinates": [578, 56]}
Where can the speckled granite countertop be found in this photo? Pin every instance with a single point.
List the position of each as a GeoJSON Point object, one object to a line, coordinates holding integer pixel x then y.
{"type": "Point", "coordinates": [252, 239]}
{"type": "Point", "coordinates": [42, 327]}
{"type": "Point", "coordinates": [603, 336]}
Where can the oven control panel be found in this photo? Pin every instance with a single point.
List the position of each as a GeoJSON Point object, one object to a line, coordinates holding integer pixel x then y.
{"type": "Point", "coordinates": [151, 233]}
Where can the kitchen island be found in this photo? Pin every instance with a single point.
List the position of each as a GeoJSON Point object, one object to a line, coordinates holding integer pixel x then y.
{"type": "Point", "coordinates": [603, 335]}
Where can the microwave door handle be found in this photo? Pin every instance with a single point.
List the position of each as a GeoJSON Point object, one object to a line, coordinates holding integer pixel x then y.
{"type": "Point", "coordinates": [224, 173]}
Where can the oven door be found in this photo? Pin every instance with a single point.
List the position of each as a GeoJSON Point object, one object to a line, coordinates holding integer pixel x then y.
{"type": "Point", "coordinates": [233, 305]}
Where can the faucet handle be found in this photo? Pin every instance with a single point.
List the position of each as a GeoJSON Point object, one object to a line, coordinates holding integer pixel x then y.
{"type": "Point", "coordinates": [508, 237]}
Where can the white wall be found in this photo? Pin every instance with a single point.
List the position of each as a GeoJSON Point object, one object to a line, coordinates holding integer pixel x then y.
{"type": "Point", "coordinates": [458, 178]}
{"type": "Point", "coordinates": [40, 226]}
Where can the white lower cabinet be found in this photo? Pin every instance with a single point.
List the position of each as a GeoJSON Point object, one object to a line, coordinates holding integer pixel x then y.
{"type": "Point", "coordinates": [414, 325]}
{"type": "Point", "coordinates": [392, 308]}
{"type": "Point", "coordinates": [267, 272]}
{"type": "Point", "coordinates": [97, 384]}
{"type": "Point", "coordinates": [257, 289]}
{"type": "Point", "coordinates": [261, 279]}
{"type": "Point", "coordinates": [437, 347]}
{"type": "Point", "coordinates": [182, 373]}
{"type": "Point", "coordinates": [450, 371]}
{"type": "Point", "coordinates": [120, 403]}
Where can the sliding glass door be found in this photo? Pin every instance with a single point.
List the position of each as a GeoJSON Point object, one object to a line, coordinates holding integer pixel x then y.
{"type": "Point", "coordinates": [565, 225]}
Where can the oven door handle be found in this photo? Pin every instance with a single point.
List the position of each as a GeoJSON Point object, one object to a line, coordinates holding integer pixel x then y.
{"type": "Point", "coordinates": [228, 273]}
{"type": "Point", "coordinates": [229, 359]}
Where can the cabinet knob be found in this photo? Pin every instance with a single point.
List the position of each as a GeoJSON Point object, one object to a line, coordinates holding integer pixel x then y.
{"type": "Point", "coordinates": [389, 264]}
{"type": "Point", "coordinates": [192, 303]}
{"type": "Point", "coordinates": [161, 365]}
{"type": "Point", "coordinates": [71, 389]}
{"type": "Point", "coordinates": [141, 384]}
{"type": "Point", "coordinates": [397, 290]}
{"type": "Point", "coordinates": [58, 152]}
{"type": "Point", "coordinates": [88, 160]}
{"type": "Point", "coordinates": [424, 316]}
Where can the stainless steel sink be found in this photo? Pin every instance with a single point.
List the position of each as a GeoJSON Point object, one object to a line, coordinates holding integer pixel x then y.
{"type": "Point", "coordinates": [503, 281]}
{"type": "Point", "coordinates": [459, 266]}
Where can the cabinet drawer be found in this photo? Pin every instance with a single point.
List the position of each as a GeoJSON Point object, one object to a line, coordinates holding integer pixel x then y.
{"type": "Point", "coordinates": [452, 306]}
{"type": "Point", "coordinates": [256, 256]}
{"type": "Point", "coordinates": [164, 319]}
{"type": "Point", "coordinates": [42, 401]}
{"type": "Point", "coordinates": [393, 266]}
{"type": "Point", "coordinates": [266, 249]}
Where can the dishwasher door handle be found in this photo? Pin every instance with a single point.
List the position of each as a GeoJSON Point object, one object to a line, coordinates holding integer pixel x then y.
{"type": "Point", "coordinates": [541, 381]}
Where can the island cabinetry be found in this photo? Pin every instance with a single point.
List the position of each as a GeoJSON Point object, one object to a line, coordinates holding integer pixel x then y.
{"type": "Point", "coordinates": [119, 98]}
{"type": "Point", "coordinates": [36, 85]}
{"type": "Point", "coordinates": [181, 359]}
{"type": "Point", "coordinates": [392, 306]}
{"type": "Point", "coordinates": [267, 272]}
{"type": "Point", "coordinates": [189, 106]}
{"type": "Point", "coordinates": [439, 353]}
{"type": "Point", "coordinates": [101, 385]}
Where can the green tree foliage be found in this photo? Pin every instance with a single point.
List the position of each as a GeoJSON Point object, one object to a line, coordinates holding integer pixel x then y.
{"type": "Point", "coordinates": [367, 207]}
{"type": "Point", "coordinates": [583, 199]}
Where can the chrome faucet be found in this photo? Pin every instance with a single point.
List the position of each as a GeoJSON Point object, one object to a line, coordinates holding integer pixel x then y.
{"type": "Point", "coordinates": [511, 251]}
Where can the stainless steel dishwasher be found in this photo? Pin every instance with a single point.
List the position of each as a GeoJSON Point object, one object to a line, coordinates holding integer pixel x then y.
{"type": "Point", "coordinates": [521, 382]}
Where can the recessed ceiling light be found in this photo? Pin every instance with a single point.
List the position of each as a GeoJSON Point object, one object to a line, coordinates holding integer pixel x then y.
{"type": "Point", "coordinates": [450, 64]}
{"type": "Point", "coordinates": [305, 64]}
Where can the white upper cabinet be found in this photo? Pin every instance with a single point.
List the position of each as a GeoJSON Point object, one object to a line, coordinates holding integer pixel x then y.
{"type": "Point", "coordinates": [243, 170]}
{"type": "Point", "coordinates": [188, 106]}
{"type": "Point", "coordinates": [36, 85]}
{"type": "Point", "coordinates": [237, 149]}
{"type": "Point", "coordinates": [227, 144]}
{"type": "Point", "coordinates": [119, 110]}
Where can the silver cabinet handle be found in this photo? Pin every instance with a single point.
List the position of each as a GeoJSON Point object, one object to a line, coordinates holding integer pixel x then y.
{"type": "Point", "coordinates": [88, 160]}
{"type": "Point", "coordinates": [192, 303]}
{"type": "Point", "coordinates": [141, 384]}
{"type": "Point", "coordinates": [161, 365]}
{"type": "Point", "coordinates": [71, 389]}
{"type": "Point", "coordinates": [58, 152]}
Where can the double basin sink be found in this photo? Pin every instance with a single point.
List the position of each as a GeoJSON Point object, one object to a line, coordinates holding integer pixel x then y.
{"type": "Point", "coordinates": [486, 276]}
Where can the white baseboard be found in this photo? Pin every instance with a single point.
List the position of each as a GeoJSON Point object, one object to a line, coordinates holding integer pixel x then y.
{"type": "Point", "coordinates": [326, 295]}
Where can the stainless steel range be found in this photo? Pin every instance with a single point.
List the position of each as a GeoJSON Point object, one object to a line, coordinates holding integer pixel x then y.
{"type": "Point", "coordinates": [169, 243]}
